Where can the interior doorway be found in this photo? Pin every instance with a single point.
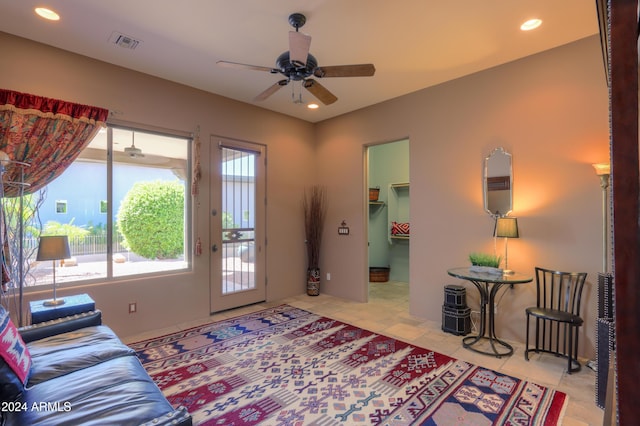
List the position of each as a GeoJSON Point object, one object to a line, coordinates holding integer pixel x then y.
{"type": "Point", "coordinates": [389, 214]}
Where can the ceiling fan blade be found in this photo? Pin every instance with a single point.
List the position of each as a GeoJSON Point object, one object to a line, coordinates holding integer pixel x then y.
{"type": "Point", "coordinates": [271, 90]}
{"type": "Point", "coordinates": [299, 45]}
{"type": "Point", "coordinates": [320, 92]}
{"type": "Point", "coordinates": [360, 70]}
{"type": "Point", "coordinates": [236, 65]}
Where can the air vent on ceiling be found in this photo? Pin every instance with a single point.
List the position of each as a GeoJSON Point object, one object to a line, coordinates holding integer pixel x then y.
{"type": "Point", "coordinates": [124, 40]}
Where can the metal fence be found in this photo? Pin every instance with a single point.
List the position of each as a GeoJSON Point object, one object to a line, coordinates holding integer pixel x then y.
{"type": "Point", "coordinates": [80, 246]}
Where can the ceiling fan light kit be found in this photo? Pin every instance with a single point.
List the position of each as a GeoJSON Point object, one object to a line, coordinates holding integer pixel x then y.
{"type": "Point", "coordinates": [297, 64]}
{"type": "Point", "coordinates": [132, 151]}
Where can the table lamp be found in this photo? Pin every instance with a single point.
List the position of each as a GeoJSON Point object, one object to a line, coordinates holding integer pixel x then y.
{"type": "Point", "coordinates": [53, 247]}
{"type": "Point", "coordinates": [506, 227]}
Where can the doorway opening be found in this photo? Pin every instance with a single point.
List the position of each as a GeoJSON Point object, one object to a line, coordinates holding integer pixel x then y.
{"type": "Point", "coordinates": [389, 219]}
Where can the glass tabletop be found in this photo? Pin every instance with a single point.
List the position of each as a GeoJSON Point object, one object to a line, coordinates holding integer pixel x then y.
{"type": "Point", "coordinates": [466, 273]}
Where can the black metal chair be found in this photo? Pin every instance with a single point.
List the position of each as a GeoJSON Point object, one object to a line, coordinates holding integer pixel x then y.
{"type": "Point", "coordinates": [557, 315]}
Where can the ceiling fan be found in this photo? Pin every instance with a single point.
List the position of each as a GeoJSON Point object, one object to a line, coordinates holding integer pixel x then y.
{"type": "Point", "coordinates": [134, 155]}
{"type": "Point", "coordinates": [297, 64]}
{"type": "Point", "coordinates": [132, 151]}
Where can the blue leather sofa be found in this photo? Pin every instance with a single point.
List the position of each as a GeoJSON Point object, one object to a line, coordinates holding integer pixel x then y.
{"type": "Point", "coordinates": [82, 374]}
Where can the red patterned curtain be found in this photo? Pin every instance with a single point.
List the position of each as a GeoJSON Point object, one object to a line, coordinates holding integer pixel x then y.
{"type": "Point", "coordinates": [46, 133]}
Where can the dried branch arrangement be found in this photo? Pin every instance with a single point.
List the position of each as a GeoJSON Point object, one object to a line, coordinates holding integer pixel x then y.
{"type": "Point", "coordinates": [314, 205]}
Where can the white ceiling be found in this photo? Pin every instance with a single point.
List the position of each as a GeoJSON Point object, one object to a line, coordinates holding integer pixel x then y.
{"type": "Point", "coordinates": [412, 43]}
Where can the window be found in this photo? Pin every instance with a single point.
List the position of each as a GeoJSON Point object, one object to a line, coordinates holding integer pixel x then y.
{"type": "Point", "coordinates": [61, 206]}
{"type": "Point", "coordinates": [129, 190]}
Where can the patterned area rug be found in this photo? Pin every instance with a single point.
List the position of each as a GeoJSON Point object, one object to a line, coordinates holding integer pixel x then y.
{"type": "Point", "coordinates": [287, 366]}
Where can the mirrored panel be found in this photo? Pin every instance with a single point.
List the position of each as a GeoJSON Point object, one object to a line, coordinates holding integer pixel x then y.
{"type": "Point", "coordinates": [498, 183]}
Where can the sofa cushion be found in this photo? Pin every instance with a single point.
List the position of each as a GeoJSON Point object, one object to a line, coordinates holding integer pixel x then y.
{"type": "Point", "coordinates": [114, 392]}
{"type": "Point", "coordinates": [15, 359]}
{"type": "Point", "coordinates": [68, 352]}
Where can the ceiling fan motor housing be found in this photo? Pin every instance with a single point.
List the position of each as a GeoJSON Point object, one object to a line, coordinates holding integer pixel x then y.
{"type": "Point", "coordinates": [297, 20]}
{"type": "Point", "coordinates": [294, 72]}
{"type": "Point", "coordinates": [133, 151]}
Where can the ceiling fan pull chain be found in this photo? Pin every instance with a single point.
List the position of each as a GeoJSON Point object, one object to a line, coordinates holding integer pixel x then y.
{"type": "Point", "coordinates": [296, 99]}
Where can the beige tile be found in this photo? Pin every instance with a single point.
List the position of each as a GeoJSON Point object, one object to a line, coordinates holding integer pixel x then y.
{"type": "Point", "coordinates": [150, 334]}
{"type": "Point", "coordinates": [404, 332]}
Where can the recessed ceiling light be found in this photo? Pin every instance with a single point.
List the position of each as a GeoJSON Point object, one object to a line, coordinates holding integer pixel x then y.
{"type": "Point", "coordinates": [47, 13]}
{"type": "Point", "coordinates": [531, 24]}
{"type": "Point", "coordinates": [313, 106]}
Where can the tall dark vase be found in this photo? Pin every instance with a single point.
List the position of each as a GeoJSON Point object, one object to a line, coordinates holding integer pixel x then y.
{"type": "Point", "coordinates": [313, 281]}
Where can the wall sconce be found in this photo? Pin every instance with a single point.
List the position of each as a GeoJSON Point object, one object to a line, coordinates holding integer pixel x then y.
{"type": "Point", "coordinates": [603, 170]}
{"type": "Point", "coordinates": [506, 227]}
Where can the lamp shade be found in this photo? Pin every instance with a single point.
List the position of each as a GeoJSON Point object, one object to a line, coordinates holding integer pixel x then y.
{"type": "Point", "coordinates": [53, 247]}
{"type": "Point", "coordinates": [602, 168]}
{"type": "Point", "coordinates": [506, 227]}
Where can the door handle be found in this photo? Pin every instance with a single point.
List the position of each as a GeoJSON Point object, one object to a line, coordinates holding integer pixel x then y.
{"type": "Point", "coordinates": [214, 248]}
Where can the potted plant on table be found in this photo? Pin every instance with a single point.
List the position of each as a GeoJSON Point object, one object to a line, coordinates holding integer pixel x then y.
{"type": "Point", "coordinates": [314, 205]}
{"type": "Point", "coordinates": [483, 262]}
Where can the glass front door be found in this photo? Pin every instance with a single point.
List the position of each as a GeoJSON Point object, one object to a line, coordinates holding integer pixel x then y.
{"type": "Point", "coordinates": [238, 276]}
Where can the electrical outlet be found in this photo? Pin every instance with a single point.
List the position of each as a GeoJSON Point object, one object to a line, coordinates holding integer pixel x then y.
{"type": "Point", "coordinates": [133, 308]}
{"type": "Point", "coordinates": [328, 276]}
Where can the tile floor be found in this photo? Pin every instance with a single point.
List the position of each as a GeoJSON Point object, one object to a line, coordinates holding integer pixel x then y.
{"type": "Point", "coordinates": [388, 313]}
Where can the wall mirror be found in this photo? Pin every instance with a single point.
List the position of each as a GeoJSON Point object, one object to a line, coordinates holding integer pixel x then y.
{"type": "Point", "coordinates": [498, 183]}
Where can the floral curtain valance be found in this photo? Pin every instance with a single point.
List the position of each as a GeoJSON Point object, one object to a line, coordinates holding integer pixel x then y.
{"type": "Point", "coordinates": [46, 133]}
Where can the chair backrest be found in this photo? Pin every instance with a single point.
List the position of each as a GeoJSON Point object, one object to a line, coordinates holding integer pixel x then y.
{"type": "Point", "coordinates": [559, 290]}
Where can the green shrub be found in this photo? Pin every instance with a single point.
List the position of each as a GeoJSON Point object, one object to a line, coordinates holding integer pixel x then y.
{"type": "Point", "coordinates": [227, 221]}
{"type": "Point", "coordinates": [69, 229]}
{"type": "Point", "coordinates": [151, 219]}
